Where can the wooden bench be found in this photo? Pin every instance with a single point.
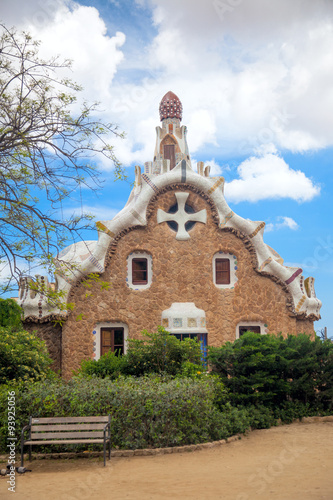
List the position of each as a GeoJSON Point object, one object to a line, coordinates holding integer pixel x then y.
{"type": "Point", "coordinates": [67, 430]}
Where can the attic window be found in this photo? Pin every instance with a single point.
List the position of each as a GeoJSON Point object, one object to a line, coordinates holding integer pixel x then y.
{"type": "Point", "coordinates": [225, 270]}
{"type": "Point", "coordinates": [139, 271]}
{"type": "Point", "coordinates": [222, 271]}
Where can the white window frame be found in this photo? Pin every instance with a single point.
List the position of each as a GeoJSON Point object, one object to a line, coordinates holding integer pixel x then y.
{"type": "Point", "coordinates": [129, 279]}
{"type": "Point", "coordinates": [233, 272]}
{"type": "Point", "coordinates": [97, 336]}
{"type": "Point", "coordinates": [263, 328]}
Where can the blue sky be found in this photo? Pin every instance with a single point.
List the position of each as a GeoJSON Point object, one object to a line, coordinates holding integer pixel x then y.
{"type": "Point", "coordinates": [256, 82]}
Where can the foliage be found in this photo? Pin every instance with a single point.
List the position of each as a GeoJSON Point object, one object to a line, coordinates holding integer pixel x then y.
{"type": "Point", "coordinates": [271, 370]}
{"type": "Point", "coordinates": [161, 352]}
{"type": "Point", "coordinates": [260, 417]}
{"type": "Point", "coordinates": [47, 151]}
{"type": "Point", "coordinates": [23, 357]}
{"type": "Point", "coordinates": [108, 365]}
{"type": "Point", "coordinates": [150, 411]}
{"type": "Point", "coordinates": [192, 370]}
{"type": "Point", "coordinates": [10, 314]}
{"type": "Point", "coordinates": [248, 367]}
{"type": "Point", "coordinates": [293, 410]}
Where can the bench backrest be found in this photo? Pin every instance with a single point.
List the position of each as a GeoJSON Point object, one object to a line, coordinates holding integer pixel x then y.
{"type": "Point", "coordinates": [68, 427]}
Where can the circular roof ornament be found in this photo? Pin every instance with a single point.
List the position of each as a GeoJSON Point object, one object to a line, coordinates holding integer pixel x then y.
{"type": "Point", "coordinates": [171, 107]}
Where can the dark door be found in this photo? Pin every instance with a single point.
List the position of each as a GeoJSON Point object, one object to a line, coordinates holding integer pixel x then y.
{"type": "Point", "coordinates": [169, 154]}
{"type": "Point", "coordinates": [112, 339]}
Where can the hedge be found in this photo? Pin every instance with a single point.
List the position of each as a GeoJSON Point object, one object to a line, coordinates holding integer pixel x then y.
{"type": "Point", "coordinates": [145, 412]}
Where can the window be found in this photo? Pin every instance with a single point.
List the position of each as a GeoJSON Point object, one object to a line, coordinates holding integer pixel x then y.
{"type": "Point", "coordinates": [109, 335]}
{"type": "Point", "coordinates": [201, 337]}
{"type": "Point", "coordinates": [169, 154]}
{"type": "Point", "coordinates": [225, 270]}
{"type": "Point", "coordinates": [222, 271]}
{"type": "Point", "coordinates": [139, 271]}
{"type": "Point", "coordinates": [244, 329]}
{"type": "Point", "coordinates": [112, 339]}
{"type": "Point", "coordinates": [251, 326]}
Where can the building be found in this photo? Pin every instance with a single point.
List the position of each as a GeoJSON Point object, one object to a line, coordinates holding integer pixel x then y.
{"type": "Point", "coordinates": [176, 255]}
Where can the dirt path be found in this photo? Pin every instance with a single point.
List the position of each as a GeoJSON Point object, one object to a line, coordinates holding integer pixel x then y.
{"type": "Point", "coordinates": [293, 462]}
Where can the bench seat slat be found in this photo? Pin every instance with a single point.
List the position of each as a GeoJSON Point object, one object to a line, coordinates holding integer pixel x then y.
{"type": "Point", "coordinates": [67, 427]}
{"type": "Point", "coordinates": [65, 441]}
{"type": "Point", "coordinates": [67, 420]}
{"type": "Point", "coordinates": [66, 435]}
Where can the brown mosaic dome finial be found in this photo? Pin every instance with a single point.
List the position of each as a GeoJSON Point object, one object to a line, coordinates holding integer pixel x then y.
{"type": "Point", "coordinates": [170, 107]}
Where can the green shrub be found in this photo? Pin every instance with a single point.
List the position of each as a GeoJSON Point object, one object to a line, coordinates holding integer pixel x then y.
{"type": "Point", "coordinates": [192, 370]}
{"type": "Point", "coordinates": [23, 356]}
{"type": "Point", "coordinates": [269, 370]}
{"type": "Point", "coordinates": [230, 421]}
{"type": "Point", "coordinates": [150, 411]}
{"type": "Point", "coordinates": [10, 314]}
{"type": "Point", "coordinates": [108, 365]}
{"type": "Point", "coordinates": [293, 410]}
{"type": "Point", "coordinates": [251, 369]}
{"type": "Point", "coordinates": [161, 352]}
{"type": "Point", "coordinates": [158, 352]}
{"type": "Point", "coordinates": [260, 417]}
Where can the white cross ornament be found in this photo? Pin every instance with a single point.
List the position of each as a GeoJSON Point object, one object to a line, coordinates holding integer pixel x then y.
{"type": "Point", "coordinates": [181, 217]}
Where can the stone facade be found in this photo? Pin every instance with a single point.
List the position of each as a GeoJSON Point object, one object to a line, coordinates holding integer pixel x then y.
{"type": "Point", "coordinates": [182, 272]}
{"type": "Point", "coordinates": [262, 291]}
{"type": "Point", "coordinates": [51, 333]}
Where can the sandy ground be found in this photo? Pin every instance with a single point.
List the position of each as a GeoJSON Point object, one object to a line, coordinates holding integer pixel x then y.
{"type": "Point", "coordinates": [292, 462]}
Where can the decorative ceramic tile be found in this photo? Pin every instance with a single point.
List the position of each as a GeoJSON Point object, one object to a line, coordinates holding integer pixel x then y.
{"type": "Point", "coordinates": [165, 322]}
{"type": "Point", "coordinates": [191, 322]}
{"type": "Point", "coordinates": [202, 321]}
{"type": "Point", "coordinates": [177, 322]}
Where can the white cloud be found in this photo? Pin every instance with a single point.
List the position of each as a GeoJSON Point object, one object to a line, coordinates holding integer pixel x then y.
{"type": "Point", "coordinates": [80, 35]}
{"type": "Point", "coordinates": [269, 176]}
{"type": "Point", "coordinates": [282, 222]}
{"type": "Point", "coordinates": [259, 75]}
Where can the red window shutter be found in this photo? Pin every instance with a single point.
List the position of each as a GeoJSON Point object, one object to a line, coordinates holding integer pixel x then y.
{"type": "Point", "coordinates": [139, 271]}
{"type": "Point", "coordinates": [222, 271]}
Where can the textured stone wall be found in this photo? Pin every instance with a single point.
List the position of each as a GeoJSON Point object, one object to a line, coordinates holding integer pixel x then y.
{"type": "Point", "coordinates": [182, 272]}
{"type": "Point", "coordinates": [51, 334]}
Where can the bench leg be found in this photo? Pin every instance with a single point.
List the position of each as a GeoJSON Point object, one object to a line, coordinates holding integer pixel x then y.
{"type": "Point", "coordinates": [109, 449]}
{"type": "Point", "coordinates": [30, 453]}
{"type": "Point", "coordinates": [104, 451]}
{"type": "Point", "coordinates": [22, 457]}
